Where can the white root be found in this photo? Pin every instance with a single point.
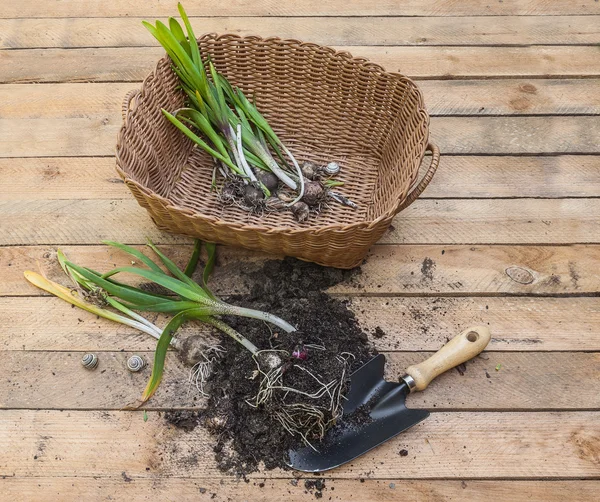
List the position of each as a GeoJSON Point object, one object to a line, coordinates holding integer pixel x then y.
{"type": "Point", "coordinates": [200, 372]}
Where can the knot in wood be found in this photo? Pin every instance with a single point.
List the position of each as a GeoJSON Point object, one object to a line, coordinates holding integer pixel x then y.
{"type": "Point", "coordinates": [520, 275]}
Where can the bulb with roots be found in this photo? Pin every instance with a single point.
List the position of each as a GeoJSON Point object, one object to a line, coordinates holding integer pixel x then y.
{"type": "Point", "coordinates": [269, 360]}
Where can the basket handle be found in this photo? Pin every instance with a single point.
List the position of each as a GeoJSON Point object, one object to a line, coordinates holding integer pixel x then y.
{"type": "Point", "coordinates": [127, 101]}
{"type": "Point", "coordinates": [422, 185]}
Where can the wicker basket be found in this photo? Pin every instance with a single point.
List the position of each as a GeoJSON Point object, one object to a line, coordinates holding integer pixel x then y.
{"type": "Point", "coordinates": [326, 106]}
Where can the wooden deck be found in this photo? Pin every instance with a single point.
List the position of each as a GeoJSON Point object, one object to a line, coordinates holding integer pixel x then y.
{"type": "Point", "coordinates": [513, 88]}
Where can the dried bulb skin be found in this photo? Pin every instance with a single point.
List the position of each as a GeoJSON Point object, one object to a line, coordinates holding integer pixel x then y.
{"type": "Point", "coordinates": [253, 196]}
{"type": "Point", "coordinates": [313, 193]}
{"type": "Point", "coordinates": [301, 211]}
{"type": "Point", "coordinates": [274, 204]}
{"type": "Point", "coordinates": [191, 350]}
{"type": "Point", "coordinates": [309, 170]}
{"type": "Point", "coordinates": [269, 180]}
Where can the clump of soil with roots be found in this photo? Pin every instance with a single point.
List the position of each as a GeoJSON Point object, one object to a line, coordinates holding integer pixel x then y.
{"type": "Point", "coordinates": [290, 393]}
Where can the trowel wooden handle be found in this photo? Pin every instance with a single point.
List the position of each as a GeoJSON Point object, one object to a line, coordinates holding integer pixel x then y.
{"type": "Point", "coordinates": [458, 350]}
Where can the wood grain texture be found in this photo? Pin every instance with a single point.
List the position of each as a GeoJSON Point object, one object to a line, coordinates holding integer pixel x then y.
{"type": "Point", "coordinates": [409, 323]}
{"type": "Point", "coordinates": [412, 270]}
{"type": "Point", "coordinates": [128, 32]}
{"type": "Point", "coordinates": [96, 489]}
{"type": "Point", "coordinates": [524, 381]}
{"type": "Point", "coordinates": [442, 97]}
{"type": "Point", "coordinates": [522, 176]}
{"type": "Point", "coordinates": [74, 8]}
{"type": "Point", "coordinates": [447, 445]}
{"type": "Point", "coordinates": [460, 177]}
{"type": "Point", "coordinates": [133, 64]}
{"type": "Point", "coordinates": [427, 221]}
{"type": "Point", "coordinates": [61, 178]}
{"type": "Point", "coordinates": [96, 136]}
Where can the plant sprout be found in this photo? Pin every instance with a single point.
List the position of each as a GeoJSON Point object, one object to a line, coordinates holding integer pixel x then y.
{"type": "Point", "coordinates": [222, 121]}
{"type": "Point", "coordinates": [102, 294]}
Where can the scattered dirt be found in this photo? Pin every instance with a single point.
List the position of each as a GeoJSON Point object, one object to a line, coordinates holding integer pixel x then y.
{"type": "Point", "coordinates": [183, 419]}
{"type": "Point", "coordinates": [294, 290]}
{"type": "Point", "coordinates": [316, 486]}
{"type": "Point", "coordinates": [427, 268]}
{"type": "Point", "coordinates": [461, 368]}
{"type": "Point", "coordinates": [379, 333]}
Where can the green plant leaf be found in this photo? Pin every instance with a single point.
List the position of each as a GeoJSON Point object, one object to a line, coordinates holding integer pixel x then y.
{"type": "Point", "coordinates": [193, 261]}
{"type": "Point", "coordinates": [74, 299]}
{"type": "Point", "coordinates": [159, 355]}
{"type": "Point", "coordinates": [202, 144]}
{"type": "Point", "coordinates": [128, 294]}
{"type": "Point", "coordinates": [204, 125]}
{"type": "Point", "coordinates": [179, 35]}
{"type": "Point", "coordinates": [172, 284]}
{"type": "Point", "coordinates": [175, 270]}
{"type": "Point", "coordinates": [136, 253]}
{"type": "Point", "coordinates": [192, 38]}
{"type": "Point", "coordinates": [163, 345]}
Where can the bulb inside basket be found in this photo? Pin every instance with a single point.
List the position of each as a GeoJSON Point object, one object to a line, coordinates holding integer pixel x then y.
{"type": "Point", "coordinates": [253, 168]}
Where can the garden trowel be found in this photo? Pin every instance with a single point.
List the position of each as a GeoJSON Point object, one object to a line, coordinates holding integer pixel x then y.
{"type": "Point", "coordinates": [385, 402]}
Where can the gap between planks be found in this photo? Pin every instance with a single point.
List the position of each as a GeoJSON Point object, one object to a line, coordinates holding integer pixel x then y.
{"type": "Point", "coordinates": [387, 31]}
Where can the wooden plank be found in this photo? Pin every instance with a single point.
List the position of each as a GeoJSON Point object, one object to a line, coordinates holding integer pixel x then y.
{"type": "Point", "coordinates": [497, 221]}
{"type": "Point", "coordinates": [427, 221]}
{"type": "Point", "coordinates": [442, 97]}
{"type": "Point", "coordinates": [61, 178]}
{"type": "Point", "coordinates": [511, 97]}
{"type": "Point", "coordinates": [524, 381]}
{"type": "Point", "coordinates": [454, 135]}
{"type": "Point", "coordinates": [64, 101]}
{"type": "Point", "coordinates": [127, 31]}
{"type": "Point", "coordinates": [409, 324]}
{"type": "Point", "coordinates": [95, 489]}
{"type": "Point", "coordinates": [132, 64]}
{"type": "Point", "coordinates": [488, 176]}
{"type": "Point", "coordinates": [389, 269]}
{"type": "Point", "coordinates": [73, 8]}
{"type": "Point", "coordinates": [447, 445]}
{"type": "Point", "coordinates": [459, 177]}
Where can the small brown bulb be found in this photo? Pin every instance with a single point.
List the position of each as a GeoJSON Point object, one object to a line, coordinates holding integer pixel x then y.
{"type": "Point", "coordinates": [253, 196]}
{"type": "Point", "coordinates": [313, 193]}
{"type": "Point", "coordinates": [274, 204]}
{"type": "Point", "coordinates": [301, 211]}
{"type": "Point", "coordinates": [269, 180]}
{"type": "Point", "coordinates": [309, 170]}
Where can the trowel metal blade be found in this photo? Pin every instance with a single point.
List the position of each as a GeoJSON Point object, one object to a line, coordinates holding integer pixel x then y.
{"type": "Point", "coordinates": [389, 416]}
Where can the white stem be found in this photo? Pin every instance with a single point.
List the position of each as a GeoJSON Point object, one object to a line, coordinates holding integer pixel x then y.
{"type": "Point", "coordinates": [226, 309]}
{"type": "Point", "coordinates": [241, 155]}
{"type": "Point", "coordinates": [231, 140]}
{"type": "Point", "coordinates": [299, 171]}
{"type": "Point", "coordinates": [266, 157]}
{"type": "Point", "coordinates": [225, 328]}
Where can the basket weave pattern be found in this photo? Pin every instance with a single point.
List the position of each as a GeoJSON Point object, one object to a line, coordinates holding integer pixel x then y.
{"type": "Point", "coordinates": [325, 106]}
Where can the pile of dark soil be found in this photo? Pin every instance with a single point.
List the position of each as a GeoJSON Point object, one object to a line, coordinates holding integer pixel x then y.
{"type": "Point", "coordinates": [293, 290]}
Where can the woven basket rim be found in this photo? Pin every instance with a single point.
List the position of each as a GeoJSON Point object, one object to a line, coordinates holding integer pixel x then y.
{"type": "Point", "coordinates": [313, 226]}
